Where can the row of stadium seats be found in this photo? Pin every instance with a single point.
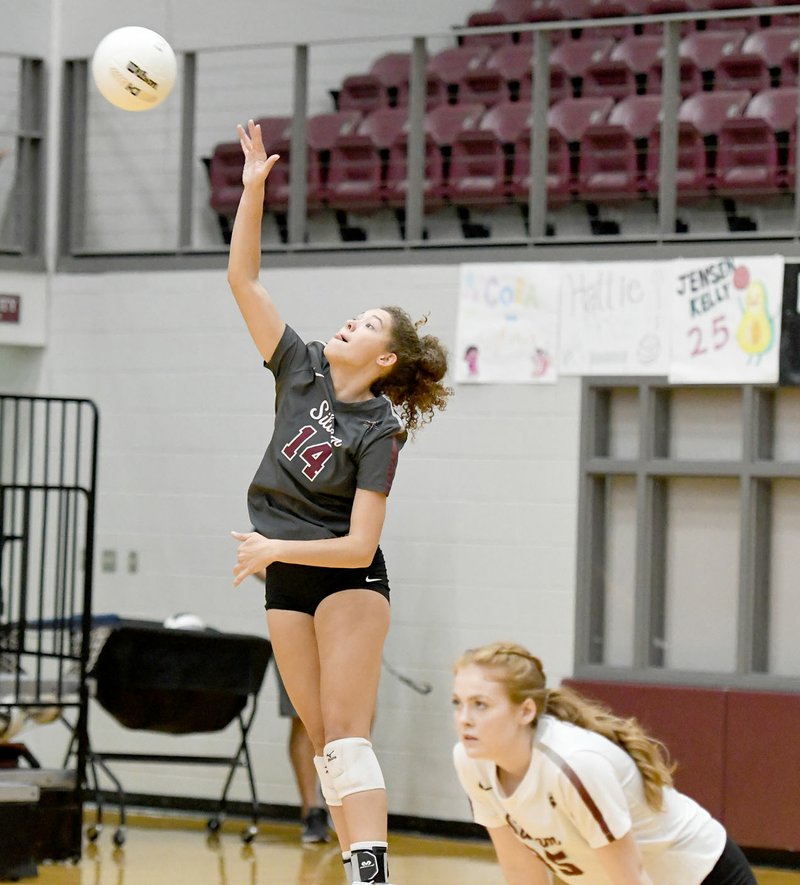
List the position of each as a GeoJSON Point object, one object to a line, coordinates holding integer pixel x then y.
{"type": "Point", "coordinates": [736, 132]}
{"type": "Point", "coordinates": [508, 12]}
{"type": "Point", "coordinates": [730, 142]}
{"type": "Point", "coordinates": [732, 59]}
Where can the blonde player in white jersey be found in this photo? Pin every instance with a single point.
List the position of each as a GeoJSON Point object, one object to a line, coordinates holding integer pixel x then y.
{"type": "Point", "coordinates": [563, 785]}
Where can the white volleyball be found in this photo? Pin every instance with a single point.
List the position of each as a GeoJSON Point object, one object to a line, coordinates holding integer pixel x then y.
{"type": "Point", "coordinates": [134, 68]}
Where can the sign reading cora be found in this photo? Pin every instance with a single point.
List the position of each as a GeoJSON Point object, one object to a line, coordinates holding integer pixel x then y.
{"type": "Point", "coordinates": [10, 308]}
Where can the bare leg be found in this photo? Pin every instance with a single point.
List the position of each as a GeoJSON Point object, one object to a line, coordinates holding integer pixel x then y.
{"type": "Point", "coordinates": [301, 753]}
{"type": "Point", "coordinates": [294, 644]}
{"type": "Point", "coordinates": [351, 627]}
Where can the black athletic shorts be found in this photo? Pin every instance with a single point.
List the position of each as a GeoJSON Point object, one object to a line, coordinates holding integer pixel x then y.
{"type": "Point", "coordinates": [732, 868]}
{"type": "Point", "coordinates": [301, 588]}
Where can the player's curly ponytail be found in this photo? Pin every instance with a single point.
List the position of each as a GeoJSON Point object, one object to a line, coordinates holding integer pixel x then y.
{"type": "Point", "coordinates": [414, 383]}
{"type": "Point", "coordinates": [522, 675]}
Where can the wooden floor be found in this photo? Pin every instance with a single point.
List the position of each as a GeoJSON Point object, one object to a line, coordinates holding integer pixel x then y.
{"type": "Point", "coordinates": [177, 851]}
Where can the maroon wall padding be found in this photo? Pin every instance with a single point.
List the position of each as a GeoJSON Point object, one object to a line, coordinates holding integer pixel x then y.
{"type": "Point", "coordinates": [762, 777]}
{"type": "Point", "coordinates": [689, 721]}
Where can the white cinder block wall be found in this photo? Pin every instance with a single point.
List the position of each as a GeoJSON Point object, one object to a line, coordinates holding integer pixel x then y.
{"type": "Point", "coordinates": [480, 536]}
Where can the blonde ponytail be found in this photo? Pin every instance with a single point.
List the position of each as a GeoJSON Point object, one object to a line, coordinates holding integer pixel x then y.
{"type": "Point", "coordinates": [522, 675]}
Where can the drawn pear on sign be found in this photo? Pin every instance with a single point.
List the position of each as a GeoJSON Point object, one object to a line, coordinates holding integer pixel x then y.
{"type": "Point", "coordinates": [755, 334]}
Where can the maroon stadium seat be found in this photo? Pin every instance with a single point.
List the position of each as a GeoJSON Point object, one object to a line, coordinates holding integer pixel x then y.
{"type": "Point", "coordinates": [324, 129]}
{"type": "Point", "coordinates": [613, 156]}
{"type": "Point", "coordinates": [668, 7]}
{"type": "Point", "coordinates": [742, 71]}
{"type": "Point", "coordinates": [559, 175]}
{"type": "Point", "coordinates": [690, 78]}
{"type": "Point", "coordinates": [775, 46]}
{"type": "Point", "coordinates": [575, 56]}
{"type": "Point", "coordinates": [322, 133]}
{"type": "Point", "coordinates": [362, 92]}
{"type": "Point", "coordinates": [451, 65]}
{"type": "Point", "coordinates": [225, 170]}
{"type": "Point", "coordinates": [747, 159]}
{"type": "Point", "coordinates": [608, 167]}
{"type": "Point", "coordinates": [600, 9]}
{"type": "Point", "coordinates": [777, 107]}
{"type": "Point", "coordinates": [571, 116]}
{"type": "Point", "coordinates": [276, 196]}
{"type": "Point", "coordinates": [508, 120]}
{"type": "Point", "coordinates": [637, 114]}
{"type": "Point", "coordinates": [445, 122]}
{"type": "Point", "coordinates": [225, 178]}
{"type": "Point", "coordinates": [693, 179]}
{"type": "Point", "coordinates": [707, 48]}
{"type": "Point", "coordinates": [485, 85]}
{"type": "Point", "coordinates": [513, 10]}
{"type": "Point", "coordinates": [274, 130]}
{"type": "Point", "coordinates": [544, 11]}
{"type": "Point", "coordinates": [734, 24]}
{"type": "Point", "coordinates": [640, 52]}
{"type": "Point", "coordinates": [391, 70]}
{"type": "Point", "coordinates": [477, 169]}
{"type": "Point", "coordinates": [356, 177]}
{"type": "Point", "coordinates": [707, 111]}
{"type": "Point", "coordinates": [555, 10]}
{"type": "Point", "coordinates": [485, 19]}
{"type": "Point", "coordinates": [442, 126]}
{"type": "Point", "coordinates": [384, 126]}
{"type": "Point", "coordinates": [614, 78]}
{"type": "Point", "coordinates": [513, 63]}
{"type": "Point", "coordinates": [395, 185]}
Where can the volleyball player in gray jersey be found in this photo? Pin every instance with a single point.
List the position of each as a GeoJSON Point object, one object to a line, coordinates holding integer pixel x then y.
{"type": "Point", "coordinates": [318, 503]}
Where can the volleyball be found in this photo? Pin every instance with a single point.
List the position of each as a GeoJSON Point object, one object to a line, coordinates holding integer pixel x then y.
{"type": "Point", "coordinates": [134, 68]}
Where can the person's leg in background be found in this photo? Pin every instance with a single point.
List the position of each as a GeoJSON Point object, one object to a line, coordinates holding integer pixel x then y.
{"type": "Point", "coordinates": [301, 755]}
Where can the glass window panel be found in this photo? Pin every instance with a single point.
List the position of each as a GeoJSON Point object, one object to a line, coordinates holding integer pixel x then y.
{"type": "Point", "coordinates": [9, 103]}
{"type": "Point", "coordinates": [231, 88]}
{"type": "Point", "coordinates": [702, 574]}
{"type": "Point", "coordinates": [620, 561]}
{"type": "Point", "coordinates": [705, 424]}
{"type": "Point", "coordinates": [132, 175]}
{"type": "Point", "coordinates": [624, 421]}
{"type": "Point", "coordinates": [787, 424]}
{"type": "Point", "coordinates": [784, 649]}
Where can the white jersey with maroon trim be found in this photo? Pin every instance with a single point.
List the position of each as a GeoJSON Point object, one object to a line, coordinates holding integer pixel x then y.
{"type": "Point", "coordinates": [582, 792]}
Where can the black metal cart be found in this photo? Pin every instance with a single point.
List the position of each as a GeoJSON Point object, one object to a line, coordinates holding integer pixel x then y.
{"type": "Point", "coordinates": [178, 682]}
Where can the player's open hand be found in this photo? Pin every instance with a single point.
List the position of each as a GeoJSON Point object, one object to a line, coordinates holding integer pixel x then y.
{"type": "Point", "coordinates": [257, 164]}
{"type": "Point", "coordinates": [253, 555]}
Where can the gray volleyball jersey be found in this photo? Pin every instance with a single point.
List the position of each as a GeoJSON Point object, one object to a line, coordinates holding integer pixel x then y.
{"type": "Point", "coordinates": [321, 450]}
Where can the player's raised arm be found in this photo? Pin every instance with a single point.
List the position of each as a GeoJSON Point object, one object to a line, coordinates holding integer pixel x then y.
{"type": "Point", "coordinates": [244, 261]}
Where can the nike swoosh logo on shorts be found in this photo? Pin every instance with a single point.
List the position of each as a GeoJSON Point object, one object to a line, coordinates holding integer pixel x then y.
{"type": "Point", "coordinates": [371, 580]}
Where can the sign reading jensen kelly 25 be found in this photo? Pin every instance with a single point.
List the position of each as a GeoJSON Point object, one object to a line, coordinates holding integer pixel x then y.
{"type": "Point", "coordinates": [9, 308]}
{"type": "Point", "coordinates": [726, 319]}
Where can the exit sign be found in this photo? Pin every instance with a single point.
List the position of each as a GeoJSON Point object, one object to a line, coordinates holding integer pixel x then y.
{"type": "Point", "coordinates": [10, 308]}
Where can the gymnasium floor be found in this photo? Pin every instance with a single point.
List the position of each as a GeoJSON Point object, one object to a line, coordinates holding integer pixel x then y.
{"type": "Point", "coordinates": [172, 851]}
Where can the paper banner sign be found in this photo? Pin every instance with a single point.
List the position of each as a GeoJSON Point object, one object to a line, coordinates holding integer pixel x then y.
{"type": "Point", "coordinates": [507, 328]}
{"type": "Point", "coordinates": [613, 319]}
{"type": "Point", "coordinates": [726, 319]}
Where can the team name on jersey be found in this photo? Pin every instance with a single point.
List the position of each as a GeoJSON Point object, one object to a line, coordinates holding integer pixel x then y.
{"type": "Point", "coordinates": [556, 860]}
{"type": "Point", "coordinates": [324, 416]}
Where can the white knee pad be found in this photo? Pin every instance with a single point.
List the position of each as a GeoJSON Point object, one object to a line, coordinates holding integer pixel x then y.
{"type": "Point", "coordinates": [353, 766]}
{"type": "Point", "coordinates": [326, 782]}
